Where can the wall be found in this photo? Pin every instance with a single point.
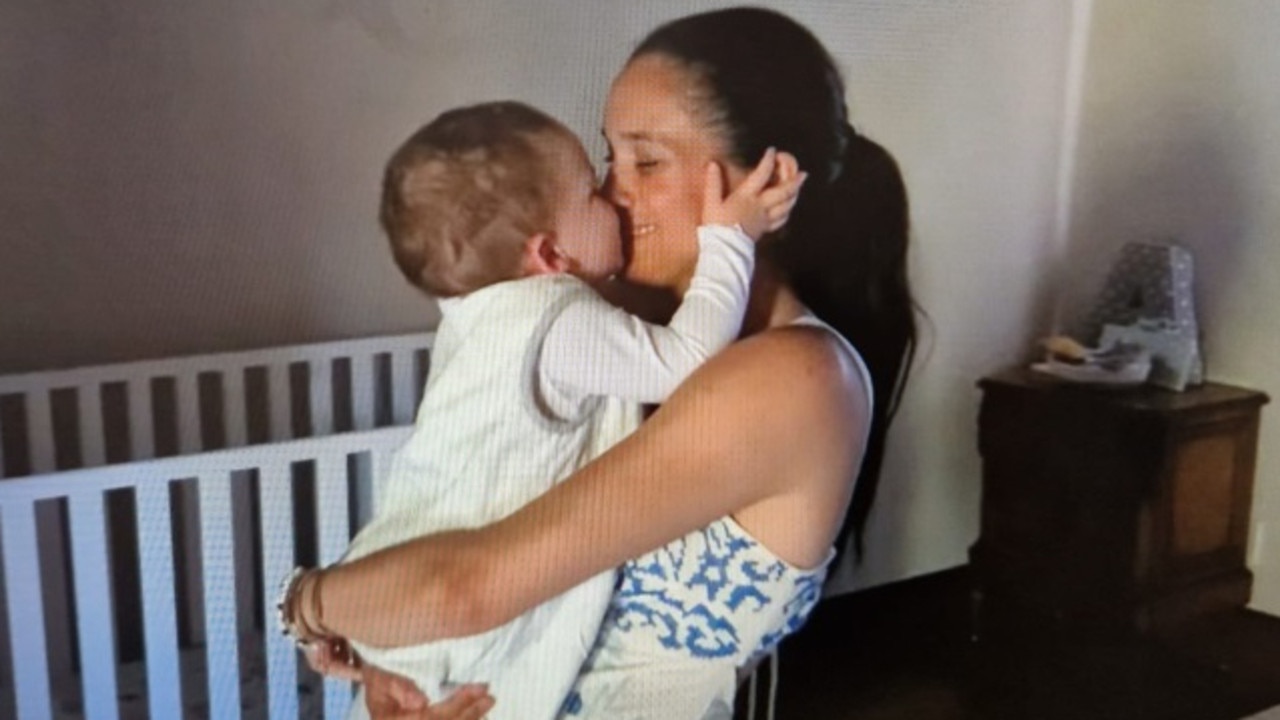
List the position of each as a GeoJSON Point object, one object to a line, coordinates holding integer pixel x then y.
{"type": "Point", "coordinates": [199, 176]}
{"type": "Point", "coordinates": [970, 99]}
{"type": "Point", "coordinates": [179, 178]}
{"type": "Point", "coordinates": [1180, 140]}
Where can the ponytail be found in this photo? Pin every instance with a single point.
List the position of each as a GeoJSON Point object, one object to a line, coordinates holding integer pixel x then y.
{"type": "Point", "coordinates": [844, 250]}
{"type": "Point", "coordinates": [844, 253]}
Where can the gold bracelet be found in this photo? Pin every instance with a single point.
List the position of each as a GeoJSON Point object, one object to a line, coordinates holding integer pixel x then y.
{"type": "Point", "coordinates": [317, 607]}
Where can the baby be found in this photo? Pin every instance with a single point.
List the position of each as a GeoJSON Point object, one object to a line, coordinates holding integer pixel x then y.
{"type": "Point", "coordinates": [494, 210]}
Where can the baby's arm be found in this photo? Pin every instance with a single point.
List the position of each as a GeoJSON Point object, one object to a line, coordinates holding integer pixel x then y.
{"type": "Point", "coordinates": [594, 348]}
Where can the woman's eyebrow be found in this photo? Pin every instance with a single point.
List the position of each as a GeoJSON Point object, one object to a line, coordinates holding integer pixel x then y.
{"type": "Point", "coordinates": [633, 136]}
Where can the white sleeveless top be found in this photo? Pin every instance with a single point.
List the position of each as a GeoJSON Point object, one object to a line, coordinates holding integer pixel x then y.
{"type": "Point", "coordinates": [685, 617]}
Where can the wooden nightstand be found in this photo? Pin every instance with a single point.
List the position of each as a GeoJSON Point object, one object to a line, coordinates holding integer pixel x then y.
{"type": "Point", "coordinates": [1117, 508]}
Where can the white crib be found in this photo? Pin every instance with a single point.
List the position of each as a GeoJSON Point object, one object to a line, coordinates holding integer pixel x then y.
{"type": "Point", "coordinates": [249, 438]}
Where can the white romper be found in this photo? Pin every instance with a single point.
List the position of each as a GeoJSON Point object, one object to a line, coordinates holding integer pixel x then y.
{"type": "Point", "coordinates": [531, 379]}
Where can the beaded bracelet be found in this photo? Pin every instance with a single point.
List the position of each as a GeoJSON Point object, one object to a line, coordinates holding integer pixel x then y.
{"type": "Point", "coordinates": [292, 623]}
{"type": "Point", "coordinates": [284, 602]}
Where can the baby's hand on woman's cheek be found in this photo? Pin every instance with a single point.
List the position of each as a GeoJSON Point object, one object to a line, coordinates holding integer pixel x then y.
{"type": "Point", "coordinates": [761, 203]}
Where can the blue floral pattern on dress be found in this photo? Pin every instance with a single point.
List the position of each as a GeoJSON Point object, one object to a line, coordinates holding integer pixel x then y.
{"type": "Point", "coordinates": [686, 617]}
{"type": "Point", "coordinates": [715, 596]}
{"type": "Point", "coordinates": [690, 599]}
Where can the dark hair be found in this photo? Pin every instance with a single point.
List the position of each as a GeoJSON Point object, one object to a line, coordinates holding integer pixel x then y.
{"type": "Point", "coordinates": [769, 82]}
{"type": "Point", "coordinates": [463, 192]}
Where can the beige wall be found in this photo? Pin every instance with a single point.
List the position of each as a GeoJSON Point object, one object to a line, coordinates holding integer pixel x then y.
{"type": "Point", "coordinates": [179, 178]}
{"type": "Point", "coordinates": [969, 96]}
{"type": "Point", "coordinates": [198, 176]}
{"type": "Point", "coordinates": [1180, 140]}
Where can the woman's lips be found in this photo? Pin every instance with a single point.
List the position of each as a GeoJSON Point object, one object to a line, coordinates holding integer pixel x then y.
{"type": "Point", "coordinates": [643, 229]}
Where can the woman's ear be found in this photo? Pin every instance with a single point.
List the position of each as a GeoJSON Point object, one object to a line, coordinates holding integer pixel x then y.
{"type": "Point", "coordinates": [542, 256]}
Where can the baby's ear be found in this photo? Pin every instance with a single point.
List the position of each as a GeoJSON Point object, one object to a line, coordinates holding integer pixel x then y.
{"type": "Point", "coordinates": [542, 256]}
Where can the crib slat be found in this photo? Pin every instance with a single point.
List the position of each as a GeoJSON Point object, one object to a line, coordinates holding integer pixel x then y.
{"type": "Point", "coordinates": [280, 407]}
{"type": "Point", "coordinates": [187, 393]}
{"type": "Point", "coordinates": [92, 441]}
{"type": "Point", "coordinates": [40, 431]}
{"type": "Point", "coordinates": [4, 471]}
{"type": "Point", "coordinates": [6, 647]}
{"type": "Point", "coordinates": [93, 605]}
{"type": "Point", "coordinates": [221, 652]}
{"type": "Point", "coordinates": [337, 698]}
{"type": "Point", "coordinates": [404, 396]}
{"type": "Point", "coordinates": [379, 465]}
{"type": "Point", "coordinates": [332, 526]}
{"type": "Point", "coordinates": [321, 400]}
{"type": "Point", "coordinates": [233, 410]}
{"type": "Point", "coordinates": [362, 396]}
{"type": "Point", "coordinates": [26, 611]}
{"type": "Point", "coordinates": [159, 616]}
{"type": "Point", "coordinates": [276, 486]}
{"type": "Point", "coordinates": [142, 432]}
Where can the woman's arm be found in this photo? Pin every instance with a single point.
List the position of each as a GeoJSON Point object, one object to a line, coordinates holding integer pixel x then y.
{"type": "Point", "coordinates": [767, 414]}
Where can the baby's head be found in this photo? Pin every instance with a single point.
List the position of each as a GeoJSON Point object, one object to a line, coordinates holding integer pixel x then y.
{"type": "Point", "coordinates": [495, 192]}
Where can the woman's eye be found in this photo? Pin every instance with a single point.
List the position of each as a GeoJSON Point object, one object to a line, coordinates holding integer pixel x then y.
{"type": "Point", "coordinates": [646, 164]}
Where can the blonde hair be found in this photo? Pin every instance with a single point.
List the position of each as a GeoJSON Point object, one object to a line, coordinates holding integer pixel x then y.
{"type": "Point", "coordinates": [462, 194]}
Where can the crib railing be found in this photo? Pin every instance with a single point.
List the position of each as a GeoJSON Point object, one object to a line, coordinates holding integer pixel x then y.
{"type": "Point", "coordinates": [337, 464]}
{"type": "Point", "coordinates": [95, 416]}
{"type": "Point", "coordinates": [393, 390]}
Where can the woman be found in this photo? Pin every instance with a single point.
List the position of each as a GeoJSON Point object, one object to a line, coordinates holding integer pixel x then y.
{"type": "Point", "coordinates": [757, 452]}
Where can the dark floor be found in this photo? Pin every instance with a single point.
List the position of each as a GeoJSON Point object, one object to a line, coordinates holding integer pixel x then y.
{"type": "Point", "coordinates": [905, 652]}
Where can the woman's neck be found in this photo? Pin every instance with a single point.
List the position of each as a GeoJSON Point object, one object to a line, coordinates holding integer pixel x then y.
{"type": "Point", "coordinates": [773, 303]}
{"type": "Point", "coordinates": [653, 304]}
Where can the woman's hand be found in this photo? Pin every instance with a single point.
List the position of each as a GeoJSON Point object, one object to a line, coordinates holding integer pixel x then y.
{"type": "Point", "coordinates": [762, 202]}
{"type": "Point", "coordinates": [391, 697]}
{"type": "Point", "coordinates": [334, 658]}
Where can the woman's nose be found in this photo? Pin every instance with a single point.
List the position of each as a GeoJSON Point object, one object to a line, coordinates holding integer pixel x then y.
{"type": "Point", "coordinates": [614, 192]}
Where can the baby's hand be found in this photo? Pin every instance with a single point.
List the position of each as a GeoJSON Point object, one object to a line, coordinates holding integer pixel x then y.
{"type": "Point", "coordinates": [760, 204]}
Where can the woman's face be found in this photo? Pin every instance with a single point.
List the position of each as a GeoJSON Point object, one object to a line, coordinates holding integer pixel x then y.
{"type": "Point", "coordinates": [659, 149]}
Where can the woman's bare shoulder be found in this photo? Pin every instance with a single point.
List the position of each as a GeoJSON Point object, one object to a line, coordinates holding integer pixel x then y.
{"type": "Point", "coordinates": [796, 397]}
{"type": "Point", "coordinates": [805, 363]}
